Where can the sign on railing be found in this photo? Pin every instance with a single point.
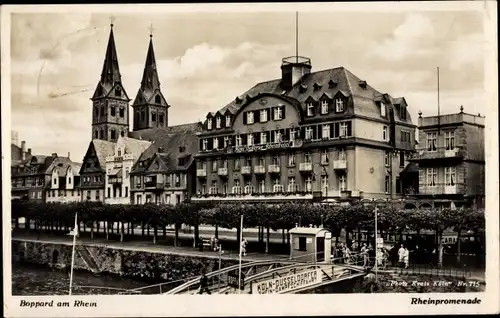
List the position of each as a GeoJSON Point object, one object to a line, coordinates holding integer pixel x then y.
{"type": "Point", "coordinates": [288, 283]}
{"type": "Point", "coordinates": [275, 145]}
{"type": "Point", "coordinates": [232, 280]}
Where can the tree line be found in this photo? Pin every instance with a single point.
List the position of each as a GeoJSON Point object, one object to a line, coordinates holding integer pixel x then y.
{"type": "Point", "coordinates": [352, 219]}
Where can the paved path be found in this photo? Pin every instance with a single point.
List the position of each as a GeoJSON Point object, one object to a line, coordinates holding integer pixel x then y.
{"type": "Point", "coordinates": [145, 246]}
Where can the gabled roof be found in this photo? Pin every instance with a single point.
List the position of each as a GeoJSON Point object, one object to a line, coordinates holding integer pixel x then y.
{"type": "Point", "coordinates": [346, 82]}
{"type": "Point", "coordinates": [103, 148]}
{"type": "Point", "coordinates": [153, 134]}
{"type": "Point", "coordinates": [135, 146]}
{"type": "Point", "coordinates": [40, 163]}
{"type": "Point", "coordinates": [61, 164]}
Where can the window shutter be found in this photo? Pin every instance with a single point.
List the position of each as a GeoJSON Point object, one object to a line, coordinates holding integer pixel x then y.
{"type": "Point", "coordinates": [271, 136]}
{"type": "Point", "coordinates": [244, 139]}
{"type": "Point", "coordinates": [244, 118]}
{"type": "Point", "coordinates": [286, 136]}
{"type": "Point", "coordinates": [210, 144]}
{"type": "Point", "coordinates": [283, 113]}
{"type": "Point", "coordinates": [201, 144]}
{"type": "Point", "coordinates": [332, 134]}
{"type": "Point", "coordinates": [257, 138]}
{"type": "Point", "coordinates": [256, 116]}
{"type": "Point", "coordinates": [349, 128]}
{"type": "Point", "coordinates": [314, 132]}
{"type": "Point", "coordinates": [336, 129]}
{"type": "Point", "coordinates": [268, 114]}
{"type": "Point", "coordinates": [320, 132]}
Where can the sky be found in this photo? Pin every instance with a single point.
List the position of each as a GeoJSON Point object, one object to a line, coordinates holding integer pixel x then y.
{"type": "Point", "coordinates": [206, 59]}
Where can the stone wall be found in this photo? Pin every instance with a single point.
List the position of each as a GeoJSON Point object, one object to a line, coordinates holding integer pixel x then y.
{"type": "Point", "coordinates": [151, 267]}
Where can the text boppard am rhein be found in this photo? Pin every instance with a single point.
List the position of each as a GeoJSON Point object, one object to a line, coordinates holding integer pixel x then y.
{"type": "Point", "coordinates": [76, 303]}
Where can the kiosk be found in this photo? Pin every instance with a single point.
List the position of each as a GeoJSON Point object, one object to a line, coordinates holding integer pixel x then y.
{"type": "Point", "coordinates": [310, 244]}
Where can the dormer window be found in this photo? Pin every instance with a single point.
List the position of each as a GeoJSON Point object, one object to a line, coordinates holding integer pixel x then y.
{"type": "Point", "coordinates": [402, 112]}
{"type": "Point", "coordinates": [263, 115]}
{"type": "Point", "coordinates": [310, 109]}
{"type": "Point", "coordinates": [278, 113]}
{"type": "Point", "coordinates": [209, 123]}
{"type": "Point", "coordinates": [228, 121]}
{"type": "Point", "coordinates": [339, 105]}
{"type": "Point", "coordinates": [332, 84]}
{"type": "Point", "coordinates": [363, 84]}
{"type": "Point", "coordinates": [382, 109]}
{"type": "Point", "coordinates": [250, 118]}
{"type": "Point", "coordinates": [303, 88]}
{"type": "Point", "coordinates": [324, 106]}
{"type": "Point", "coordinates": [316, 86]}
{"type": "Point", "coordinates": [218, 122]}
{"type": "Point", "coordinates": [119, 153]}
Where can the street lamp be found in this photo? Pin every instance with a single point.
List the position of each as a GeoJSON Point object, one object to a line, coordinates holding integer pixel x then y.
{"type": "Point", "coordinates": [220, 261]}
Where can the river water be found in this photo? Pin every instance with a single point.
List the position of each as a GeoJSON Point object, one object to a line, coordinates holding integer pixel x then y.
{"type": "Point", "coordinates": [37, 281]}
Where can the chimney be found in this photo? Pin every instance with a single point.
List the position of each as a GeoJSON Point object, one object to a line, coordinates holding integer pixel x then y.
{"type": "Point", "coordinates": [293, 70]}
{"type": "Point", "coordinates": [15, 138]}
{"type": "Point", "coordinates": [68, 155]}
{"type": "Point", "coordinates": [29, 151]}
{"type": "Point", "coordinates": [23, 149]}
{"type": "Point", "coordinates": [54, 154]}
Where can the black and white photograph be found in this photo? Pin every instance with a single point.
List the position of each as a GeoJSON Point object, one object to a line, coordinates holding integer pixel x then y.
{"type": "Point", "coordinates": [292, 155]}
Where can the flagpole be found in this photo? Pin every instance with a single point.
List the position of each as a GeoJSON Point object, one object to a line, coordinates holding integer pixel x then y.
{"type": "Point", "coordinates": [241, 240]}
{"type": "Point", "coordinates": [73, 254]}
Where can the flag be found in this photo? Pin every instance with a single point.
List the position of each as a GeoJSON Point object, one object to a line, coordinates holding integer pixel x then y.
{"type": "Point", "coordinates": [74, 231]}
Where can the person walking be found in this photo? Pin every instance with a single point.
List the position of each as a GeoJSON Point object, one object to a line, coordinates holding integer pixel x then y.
{"type": "Point", "coordinates": [406, 257]}
{"type": "Point", "coordinates": [401, 255]}
{"type": "Point", "coordinates": [204, 284]}
{"type": "Point", "coordinates": [364, 254]}
{"type": "Point", "coordinates": [244, 247]}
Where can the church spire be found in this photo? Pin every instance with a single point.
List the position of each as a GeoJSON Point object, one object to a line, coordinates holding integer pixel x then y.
{"type": "Point", "coordinates": [150, 81]}
{"type": "Point", "coordinates": [110, 70]}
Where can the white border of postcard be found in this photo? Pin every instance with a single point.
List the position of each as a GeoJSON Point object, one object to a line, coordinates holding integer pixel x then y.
{"type": "Point", "coordinates": [233, 305]}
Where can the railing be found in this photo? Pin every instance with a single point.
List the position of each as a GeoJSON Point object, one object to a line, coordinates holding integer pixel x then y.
{"type": "Point", "coordinates": [154, 185]}
{"type": "Point", "coordinates": [246, 170]}
{"type": "Point", "coordinates": [433, 270]}
{"type": "Point", "coordinates": [423, 153]}
{"type": "Point", "coordinates": [441, 188]}
{"type": "Point", "coordinates": [201, 172]}
{"type": "Point", "coordinates": [340, 164]}
{"type": "Point", "coordinates": [274, 168]}
{"type": "Point", "coordinates": [222, 171]}
{"type": "Point", "coordinates": [305, 166]}
{"type": "Point", "coordinates": [296, 60]}
{"type": "Point", "coordinates": [259, 169]}
{"type": "Point", "coordinates": [99, 290]}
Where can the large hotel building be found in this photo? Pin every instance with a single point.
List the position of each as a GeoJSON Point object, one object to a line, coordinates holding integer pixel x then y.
{"type": "Point", "coordinates": [308, 135]}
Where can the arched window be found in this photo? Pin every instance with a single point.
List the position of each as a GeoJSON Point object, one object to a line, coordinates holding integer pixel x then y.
{"type": "Point", "coordinates": [123, 133]}
{"type": "Point", "coordinates": [118, 92]}
{"type": "Point", "coordinates": [96, 134]}
{"type": "Point", "coordinates": [102, 133]}
{"type": "Point", "coordinates": [158, 99]}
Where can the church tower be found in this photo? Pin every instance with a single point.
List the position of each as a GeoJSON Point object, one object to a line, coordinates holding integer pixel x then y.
{"type": "Point", "coordinates": [110, 102]}
{"type": "Point", "coordinates": [150, 107]}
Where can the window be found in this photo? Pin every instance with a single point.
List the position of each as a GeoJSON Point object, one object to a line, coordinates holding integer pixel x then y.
{"type": "Point", "coordinates": [384, 133]}
{"type": "Point", "coordinates": [250, 139]}
{"type": "Point", "coordinates": [204, 144]}
{"type": "Point", "coordinates": [248, 161]}
{"type": "Point", "coordinates": [382, 109]}
{"type": "Point", "coordinates": [178, 179]}
{"type": "Point", "coordinates": [102, 110]}
{"type": "Point", "coordinates": [402, 159]}
{"type": "Point", "coordinates": [96, 134]}
{"type": "Point", "coordinates": [308, 184]}
{"type": "Point", "coordinates": [118, 92]}
{"type": "Point", "coordinates": [162, 118]}
{"type": "Point", "coordinates": [310, 109]}
{"type": "Point", "coordinates": [326, 132]}
{"type": "Point", "coordinates": [238, 141]}
{"type": "Point", "coordinates": [402, 112]}
{"type": "Point", "coordinates": [278, 113]}
{"type": "Point", "coordinates": [339, 105]}
{"type": "Point", "coordinates": [228, 121]}
{"type": "Point", "coordinates": [55, 181]}
{"type": "Point", "coordinates": [387, 185]}
{"type": "Point", "coordinates": [69, 180]}
{"type": "Point", "coordinates": [276, 185]}
{"type": "Point", "coordinates": [97, 194]}
{"type": "Point", "coordinates": [250, 118]}
{"type": "Point", "coordinates": [113, 134]}
{"type": "Point", "coordinates": [301, 244]}
{"type": "Point", "coordinates": [203, 188]}
{"type": "Point", "coordinates": [398, 185]}
{"type": "Point", "coordinates": [307, 157]}
{"type": "Point", "coordinates": [324, 106]}
{"type": "Point", "coordinates": [226, 142]}
{"type": "Point", "coordinates": [277, 136]}
{"type": "Point", "coordinates": [96, 111]}
{"type": "Point", "coordinates": [342, 183]}
{"type": "Point", "coordinates": [275, 161]}
{"type": "Point", "coordinates": [324, 184]}
{"type": "Point", "coordinates": [143, 115]}
{"type": "Point", "coordinates": [405, 136]}
{"type": "Point", "coordinates": [262, 186]}
{"type": "Point", "coordinates": [224, 187]}
{"type": "Point", "coordinates": [153, 116]}
{"type": "Point", "coordinates": [343, 129]}
{"type": "Point", "coordinates": [450, 176]}
{"type": "Point", "coordinates": [182, 149]}
{"type": "Point", "coordinates": [293, 132]}
{"type": "Point", "coordinates": [263, 115]}
{"type": "Point", "coordinates": [387, 159]}
{"type": "Point", "coordinates": [214, 165]}
{"type": "Point", "coordinates": [292, 186]}
{"type": "Point", "coordinates": [431, 141]}
{"type": "Point", "coordinates": [216, 143]}
{"type": "Point", "coordinates": [309, 133]}
{"type": "Point", "coordinates": [262, 161]}
{"type": "Point", "coordinates": [88, 194]}
{"type": "Point", "coordinates": [113, 111]}
{"type": "Point", "coordinates": [449, 140]}
{"type": "Point", "coordinates": [218, 122]}
{"type": "Point", "coordinates": [431, 177]}
{"type": "Point", "coordinates": [224, 163]}
{"type": "Point", "coordinates": [138, 181]}
{"type": "Point", "coordinates": [291, 160]}
{"type": "Point", "coordinates": [157, 99]}
{"type": "Point", "coordinates": [236, 164]}
{"type": "Point", "coordinates": [263, 138]}
{"type": "Point", "coordinates": [209, 123]}
{"type": "Point", "coordinates": [126, 191]}
{"type": "Point", "coordinates": [324, 157]}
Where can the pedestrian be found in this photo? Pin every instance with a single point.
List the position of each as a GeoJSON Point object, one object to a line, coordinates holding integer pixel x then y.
{"type": "Point", "coordinates": [406, 257]}
{"type": "Point", "coordinates": [204, 284]}
{"type": "Point", "coordinates": [401, 254]}
{"type": "Point", "coordinates": [369, 281]}
{"type": "Point", "coordinates": [347, 255]}
{"type": "Point", "coordinates": [364, 253]}
{"type": "Point", "coordinates": [244, 247]}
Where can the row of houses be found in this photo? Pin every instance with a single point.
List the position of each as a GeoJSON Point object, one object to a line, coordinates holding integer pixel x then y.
{"type": "Point", "coordinates": [325, 135]}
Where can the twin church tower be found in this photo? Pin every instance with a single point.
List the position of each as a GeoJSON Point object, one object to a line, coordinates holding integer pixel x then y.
{"type": "Point", "coordinates": [110, 102]}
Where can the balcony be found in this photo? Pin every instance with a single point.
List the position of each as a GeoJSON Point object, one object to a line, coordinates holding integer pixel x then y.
{"type": "Point", "coordinates": [277, 188]}
{"type": "Point", "coordinates": [154, 185]}
{"type": "Point", "coordinates": [213, 190]}
{"type": "Point", "coordinates": [259, 169]}
{"type": "Point", "coordinates": [236, 190]}
{"type": "Point", "coordinates": [305, 167]}
{"type": "Point", "coordinates": [222, 171]}
{"type": "Point", "coordinates": [249, 189]}
{"type": "Point", "coordinates": [439, 153]}
{"type": "Point", "coordinates": [201, 172]}
{"type": "Point", "coordinates": [441, 189]}
{"type": "Point", "coordinates": [340, 164]}
{"type": "Point", "coordinates": [115, 180]}
{"type": "Point", "coordinates": [246, 170]}
{"type": "Point", "coordinates": [274, 169]}
{"type": "Point", "coordinates": [292, 188]}
{"type": "Point", "coordinates": [450, 189]}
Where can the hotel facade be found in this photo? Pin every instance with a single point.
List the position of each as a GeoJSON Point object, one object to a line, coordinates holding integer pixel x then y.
{"type": "Point", "coordinates": [322, 135]}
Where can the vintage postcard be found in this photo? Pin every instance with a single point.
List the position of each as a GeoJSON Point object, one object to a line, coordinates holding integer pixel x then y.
{"type": "Point", "coordinates": [250, 159]}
